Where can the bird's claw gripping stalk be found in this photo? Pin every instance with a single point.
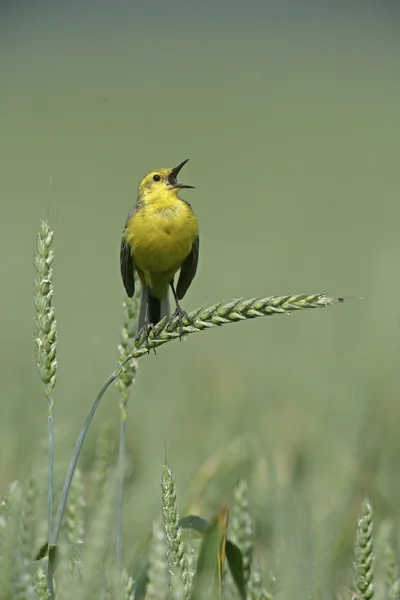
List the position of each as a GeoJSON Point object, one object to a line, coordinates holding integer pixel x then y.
{"type": "Point", "coordinates": [180, 314]}
{"type": "Point", "coordinates": [145, 330]}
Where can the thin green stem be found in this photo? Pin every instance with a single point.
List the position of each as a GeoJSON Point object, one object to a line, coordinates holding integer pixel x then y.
{"type": "Point", "coordinates": [50, 491]}
{"type": "Point", "coordinates": [78, 447]}
{"type": "Point", "coordinates": [120, 494]}
{"type": "Point", "coordinates": [51, 462]}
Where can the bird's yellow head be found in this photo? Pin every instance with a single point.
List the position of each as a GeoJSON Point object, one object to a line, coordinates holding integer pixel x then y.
{"type": "Point", "coordinates": [161, 183]}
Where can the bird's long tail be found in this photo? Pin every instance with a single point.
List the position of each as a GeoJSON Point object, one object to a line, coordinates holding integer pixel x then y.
{"type": "Point", "coordinates": [158, 309]}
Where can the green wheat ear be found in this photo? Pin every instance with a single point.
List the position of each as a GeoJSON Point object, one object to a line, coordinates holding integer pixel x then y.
{"type": "Point", "coordinates": [222, 314]}
{"type": "Point", "coordinates": [390, 586]}
{"type": "Point", "coordinates": [74, 523]}
{"type": "Point", "coordinates": [28, 519]}
{"type": "Point", "coordinates": [255, 590]}
{"type": "Point", "coordinates": [241, 526]}
{"type": "Point", "coordinates": [105, 452]}
{"type": "Point", "coordinates": [97, 566]}
{"type": "Point", "coordinates": [45, 327]}
{"type": "Point", "coordinates": [9, 500]}
{"type": "Point", "coordinates": [158, 588]}
{"type": "Point", "coordinates": [126, 346]}
{"type": "Point", "coordinates": [45, 322]}
{"type": "Point", "coordinates": [127, 585]}
{"type": "Point", "coordinates": [40, 585]}
{"type": "Point", "coordinates": [177, 557]}
{"type": "Point", "coordinates": [15, 582]}
{"type": "Point", "coordinates": [363, 554]}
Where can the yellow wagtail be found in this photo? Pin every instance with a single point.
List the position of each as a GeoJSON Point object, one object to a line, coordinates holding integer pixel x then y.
{"type": "Point", "coordinates": [160, 237]}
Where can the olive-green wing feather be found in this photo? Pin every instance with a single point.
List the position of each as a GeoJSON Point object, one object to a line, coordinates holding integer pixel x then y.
{"type": "Point", "coordinates": [126, 263]}
{"type": "Point", "coordinates": [188, 270]}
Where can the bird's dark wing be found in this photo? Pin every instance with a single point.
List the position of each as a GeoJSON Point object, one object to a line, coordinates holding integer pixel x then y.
{"type": "Point", "coordinates": [126, 263]}
{"type": "Point", "coordinates": [188, 270]}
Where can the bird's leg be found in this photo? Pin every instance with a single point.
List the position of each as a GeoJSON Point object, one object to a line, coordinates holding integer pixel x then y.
{"type": "Point", "coordinates": [179, 312]}
{"type": "Point", "coordinates": [147, 324]}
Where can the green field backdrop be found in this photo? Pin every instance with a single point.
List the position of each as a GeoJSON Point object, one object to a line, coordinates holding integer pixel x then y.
{"type": "Point", "coordinates": [289, 113]}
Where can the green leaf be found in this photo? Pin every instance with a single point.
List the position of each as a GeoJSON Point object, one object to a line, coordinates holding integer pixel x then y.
{"type": "Point", "coordinates": [42, 552]}
{"type": "Point", "coordinates": [234, 557]}
{"type": "Point", "coordinates": [207, 581]}
{"type": "Point", "coordinates": [140, 576]}
{"type": "Point", "coordinates": [195, 523]}
{"type": "Point", "coordinates": [34, 565]}
{"type": "Point", "coordinates": [51, 558]}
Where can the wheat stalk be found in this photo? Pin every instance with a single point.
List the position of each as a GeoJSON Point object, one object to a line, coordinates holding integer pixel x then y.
{"type": "Point", "coordinates": [176, 553]}
{"type": "Point", "coordinates": [157, 588]}
{"type": "Point", "coordinates": [46, 341]}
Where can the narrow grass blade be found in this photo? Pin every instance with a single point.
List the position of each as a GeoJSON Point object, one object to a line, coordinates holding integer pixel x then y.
{"type": "Point", "coordinates": [207, 581]}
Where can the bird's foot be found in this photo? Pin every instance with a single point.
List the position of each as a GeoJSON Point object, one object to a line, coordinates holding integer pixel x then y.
{"type": "Point", "coordinates": [180, 314]}
{"type": "Point", "coordinates": [146, 328]}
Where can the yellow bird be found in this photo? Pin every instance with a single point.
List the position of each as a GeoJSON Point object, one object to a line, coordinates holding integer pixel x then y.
{"type": "Point", "coordinates": [161, 236]}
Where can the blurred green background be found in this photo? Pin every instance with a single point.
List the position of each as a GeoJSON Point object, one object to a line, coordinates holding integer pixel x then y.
{"type": "Point", "coordinates": [289, 113]}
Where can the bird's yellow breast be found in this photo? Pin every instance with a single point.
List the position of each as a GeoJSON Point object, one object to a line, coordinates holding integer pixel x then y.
{"type": "Point", "coordinates": [161, 236]}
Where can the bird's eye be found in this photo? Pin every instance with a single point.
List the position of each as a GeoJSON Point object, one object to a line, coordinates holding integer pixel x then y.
{"type": "Point", "coordinates": [156, 178]}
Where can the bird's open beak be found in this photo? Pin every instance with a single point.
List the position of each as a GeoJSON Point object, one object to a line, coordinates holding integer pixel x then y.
{"type": "Point", "coordinates": [172, 177]}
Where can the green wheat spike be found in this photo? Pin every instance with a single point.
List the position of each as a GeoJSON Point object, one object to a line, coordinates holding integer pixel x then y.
{"type": "Point", "coordinates": [391, 581]}
{"type": "Point", "coordinates": [28, 516]}
{"type": "Point", "coordinates": [22, 586]}
{"type": "Point", "coordinates": [10, 498]}
{"type": "Point", "coordinates": [73, 532]}
{"type": "Point", "coordinates": [255, 589]}
{"type": "Point", "coordinates": [241, 525]}
{"type": "Point", "coordinates": [126, 346]}
{"type": "Point", "coordinates": [392, 575]}
{"type": "Point", "coordinates": [158, 587]}
{"type": "Point", "coordinates": [191, 559]}
{"type": "Point", "coordinates": [177, 587]}
{"type": "Point", "coordinates": [105, 451]}
{"type": "Point", "coordinates": [363, 554]}
{"type": "Point", "coordinates": [224, 313]}
{"type": "Point", "coordinates": [74, 524]}
{"type": "Point", "coordinates": [127, 586]}
{"type": "Point", "coordinates": [14, 580]}
{"type": "Point", "coordinates": [40, 585]}
{"type": "Point", "coordinates": [45, 328]}
{"type": "Point", "coordinates": [97, 565]}
{"type": "Point", "coordinates": [45, 322]}
{"type": "Point", "coordinates": [176, 550]}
